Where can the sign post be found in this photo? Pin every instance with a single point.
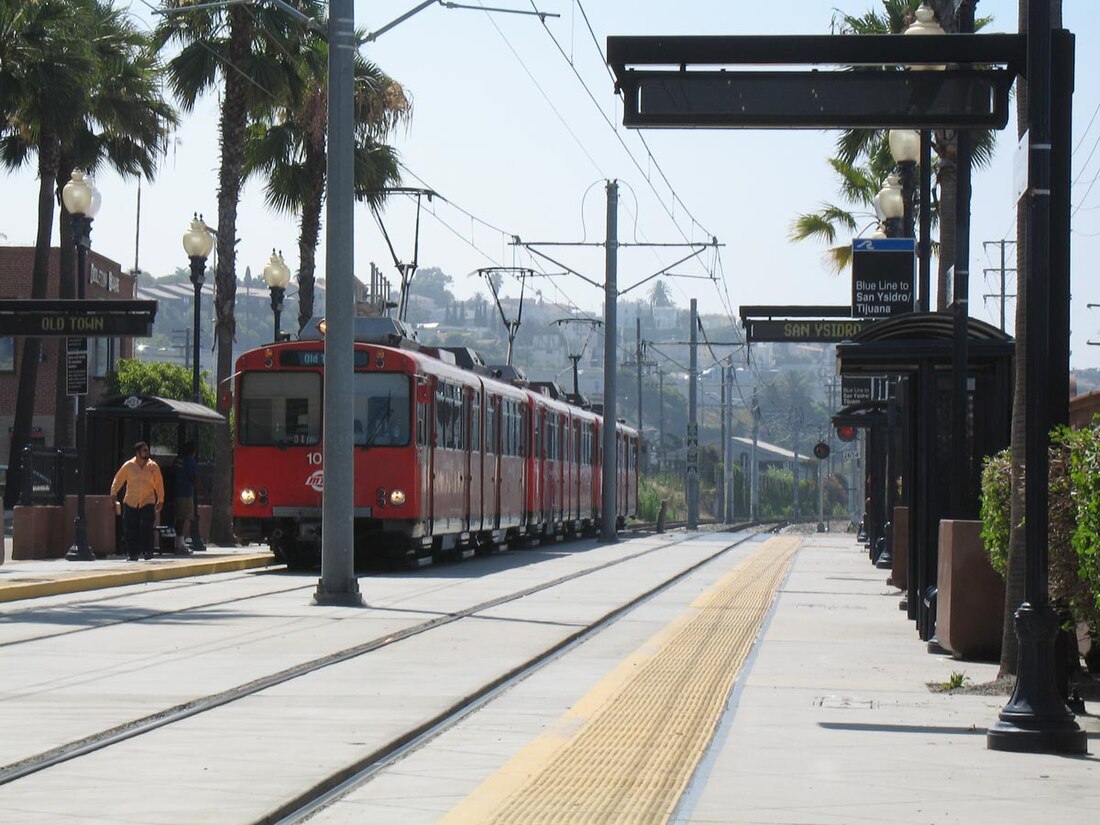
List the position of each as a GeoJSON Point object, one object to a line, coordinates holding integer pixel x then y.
{"type": "Point", "coordinates": [76, 366]}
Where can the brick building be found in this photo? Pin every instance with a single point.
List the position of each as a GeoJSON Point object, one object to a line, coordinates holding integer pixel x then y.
{"type": "Point", "coordinates": [106, 280]}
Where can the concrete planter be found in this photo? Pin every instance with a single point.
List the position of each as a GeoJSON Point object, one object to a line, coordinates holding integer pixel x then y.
{"type": "Point", "coordinates": [970, 597]}
{"type": "Point", "coordinates": [899, 572]}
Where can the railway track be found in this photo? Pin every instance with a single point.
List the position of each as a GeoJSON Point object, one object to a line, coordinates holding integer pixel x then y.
{"type": "Point", "coordinates": [102, 740]}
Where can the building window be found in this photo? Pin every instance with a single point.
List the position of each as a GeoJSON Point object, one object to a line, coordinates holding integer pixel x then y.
{"type": "Point", "coordinates": [7, 354]}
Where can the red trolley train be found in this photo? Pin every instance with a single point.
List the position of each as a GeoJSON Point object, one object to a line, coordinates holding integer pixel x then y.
{"type": "Point", "coordinates": [448, 459]}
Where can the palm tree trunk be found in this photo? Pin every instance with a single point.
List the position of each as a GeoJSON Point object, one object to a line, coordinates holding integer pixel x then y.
{"type": "Point", "coordinates": [48, 158]}
{"type": "Point", "coordinates": [310, 232]}
{"type": "Point", "coordinates": [946, 145]}
{"type": "Point", "coordinates": [234, 118]}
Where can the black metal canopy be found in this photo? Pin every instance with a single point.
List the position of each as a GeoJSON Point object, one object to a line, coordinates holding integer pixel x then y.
{"type": "Point", "coordinates": [900, 344]}
{"type": "Point", "coordinates": [664, 93]}
{"type": "Point", "coordinates": [155, 409]}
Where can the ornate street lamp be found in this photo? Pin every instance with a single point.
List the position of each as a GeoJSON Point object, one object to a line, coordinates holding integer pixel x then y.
{"type": "Point", "coordinates": [891, 206]}
{"type": "Point", "coordinates": [905, 149]}
{"type": "Point", "coordinates": [198, 241]}
{"type": "Point", "coordinates": [81, 200]}
{"type": "Point", "coordinates": [925, 24]}
{"type": "Point", "coordinates": [277, 277]}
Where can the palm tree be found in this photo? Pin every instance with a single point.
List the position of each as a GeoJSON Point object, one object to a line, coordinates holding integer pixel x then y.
{"type": "Point", "coordinates": [859, 185]}
{"type": "Point", "coordinates": [659, 295]}
{"type": "Point", "coordinates": [868, 147]}
{"type": "Point", "coordinates": [125, 126]}
{"type": "Point", "coordinates": [243, 47]}
{"type": "Point", "coordinates": [288, 145]}
{"type": "Point", "coordinates": [48, 74]}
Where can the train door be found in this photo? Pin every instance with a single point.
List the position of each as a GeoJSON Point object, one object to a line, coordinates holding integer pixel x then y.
{"type": "Point", "coordinates": [491, 491]}
{"type": "Point", "coordinates": [537, 473]}
{"type": "Point", "coordinates": [426, 399]}
{"type": "Point", "coordinates": [578, 458]}
{"type": "Point", "coordinates": [474, 494]}
{"type": "Point", "coordinates": [561, 442]}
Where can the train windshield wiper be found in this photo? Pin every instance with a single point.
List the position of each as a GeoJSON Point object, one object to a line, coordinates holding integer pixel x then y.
{"type": "Point", "coordinates": [380, 422]}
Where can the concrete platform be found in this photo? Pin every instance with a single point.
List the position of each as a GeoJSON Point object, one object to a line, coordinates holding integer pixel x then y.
{"type": "Point", "coordinates": [50, 577]}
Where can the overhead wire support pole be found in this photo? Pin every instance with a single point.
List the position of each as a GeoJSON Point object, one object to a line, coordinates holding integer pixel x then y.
{"type": "Point", "coordinates": [338, 585]}
{"type": "Point", "coordinates": [693, 422]}
{"type": "Point", "coordinates": [608, 500]}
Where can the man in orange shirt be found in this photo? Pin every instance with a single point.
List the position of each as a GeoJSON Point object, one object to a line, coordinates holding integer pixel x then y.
{"type": "Point", "coordinates": [144, 497]}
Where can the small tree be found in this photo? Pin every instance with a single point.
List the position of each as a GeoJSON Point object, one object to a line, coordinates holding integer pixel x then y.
{"type": "Point", "coordinates": [156, 378]}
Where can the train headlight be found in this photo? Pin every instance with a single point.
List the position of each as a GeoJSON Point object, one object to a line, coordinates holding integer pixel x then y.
{"type": "Point", "coordinates": [248, 496]}
{"type": "Point", "coordinates": [397, 497]}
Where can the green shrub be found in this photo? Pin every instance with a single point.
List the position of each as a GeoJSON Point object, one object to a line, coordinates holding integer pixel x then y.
{"type": "Point", "coordinates": [1074, 519]}
{"type": "Point", "coordinates": [996, 488]}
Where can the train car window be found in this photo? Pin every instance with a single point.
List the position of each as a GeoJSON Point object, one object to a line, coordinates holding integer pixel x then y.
{"type": "Point", "coordinates": [280, 408]}
{"type": "Point", "coordinates": [475, 422]}
{"type": "Point", "coordinates": [523, 428]}
{"type": "Point", "coordinates": [421, 424]}
{"type": "Point", "coordinates": [382, 409]}
{"type": "Point", "coordinates": [490, 424]}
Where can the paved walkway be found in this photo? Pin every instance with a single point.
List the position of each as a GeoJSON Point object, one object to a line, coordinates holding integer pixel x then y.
{"type": "Point", "coordinates": [830, 720]}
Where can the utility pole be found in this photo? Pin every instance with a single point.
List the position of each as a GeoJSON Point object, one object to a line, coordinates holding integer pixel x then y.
{"type": "Point", "coordinates": [638, 359]}
{"type": "Point", "coordinates": [727, 443]}
{"type": "Point", "coordinates": [608, 514]}
{"type": "Point", "coordinates": [754, 474]}
{"type": "Point", "coordinates": [693, 423]}
{"type": "Point", "coordinates": [1002, 270]}
{"type": "Point", "coordinates": [797, 420]}
{"type": "Point", "coordinates": [722, 453]}
{"type": "Point", "coordinates": [661, 420]}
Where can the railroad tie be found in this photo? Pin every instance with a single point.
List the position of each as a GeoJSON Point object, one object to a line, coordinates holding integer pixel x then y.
{"type": "Point", "coordinates": [626, 751]}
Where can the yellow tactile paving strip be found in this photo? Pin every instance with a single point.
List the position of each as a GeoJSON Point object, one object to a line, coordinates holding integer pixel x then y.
{"type": "Point", "coordinates": [626, 751]}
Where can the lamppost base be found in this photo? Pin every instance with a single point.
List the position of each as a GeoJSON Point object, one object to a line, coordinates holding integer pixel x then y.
{"type": "Point", "coordinates": [80, 552]}
{"type": "Point", "coordinates": [885, 560]}
{"type": "Point", "coordinates": [1036, 719]}
{"type": "Point", "coordinates": [344, 598]}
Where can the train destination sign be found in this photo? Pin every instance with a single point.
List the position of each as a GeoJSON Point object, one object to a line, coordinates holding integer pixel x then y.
{"type": "Point", "coordinates": [67, 317]}
{"type": "Point", "coordinates": [803, 330]}
{"type": "Point", "coordinates": [883, 277]}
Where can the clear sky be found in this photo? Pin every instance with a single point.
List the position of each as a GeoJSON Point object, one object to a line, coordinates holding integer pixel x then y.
{"type": "Point", "coordinates": [516, 125]}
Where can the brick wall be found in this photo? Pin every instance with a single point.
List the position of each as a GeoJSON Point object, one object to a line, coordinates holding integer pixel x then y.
{"type": "Point", "coordinates": [106, 280]}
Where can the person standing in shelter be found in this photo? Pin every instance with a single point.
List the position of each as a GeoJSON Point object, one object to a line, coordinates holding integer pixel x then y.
{"type": "Point", "coordinates": [144, 497]}
{"type": "Point", "coordinates": [187, 485]}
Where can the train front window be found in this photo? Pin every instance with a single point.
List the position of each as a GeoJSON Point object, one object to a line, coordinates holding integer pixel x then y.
{"type": "Point", "coordinates": [381, 409]}
{"type": "Point", "coordinates": [280, 408]}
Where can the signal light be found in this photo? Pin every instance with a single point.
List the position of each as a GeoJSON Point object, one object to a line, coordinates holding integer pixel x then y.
{"type": "Point", "coordinates": [846, 433]}
{"type": "Point", "coordinates": [821, 450]}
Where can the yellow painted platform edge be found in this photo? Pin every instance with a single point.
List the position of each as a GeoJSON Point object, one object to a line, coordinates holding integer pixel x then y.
{"type": "Point", "coordinates": [525, 763]}
{"type": "Point", "coordinates": [121, 578]}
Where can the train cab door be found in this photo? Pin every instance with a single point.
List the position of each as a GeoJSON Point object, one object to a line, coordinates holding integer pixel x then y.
{"type": "Point", "coordinates": [475, 504]}
{"type": "Point", "coordinates": [425, 441]}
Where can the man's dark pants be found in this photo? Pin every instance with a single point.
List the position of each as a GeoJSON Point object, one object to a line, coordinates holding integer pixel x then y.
{"type": "Point", "coordinates": [138, 524]}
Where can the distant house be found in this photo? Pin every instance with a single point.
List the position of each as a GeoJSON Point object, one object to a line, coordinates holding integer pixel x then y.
{"type": "Point", "coordinates": [770, 456]}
